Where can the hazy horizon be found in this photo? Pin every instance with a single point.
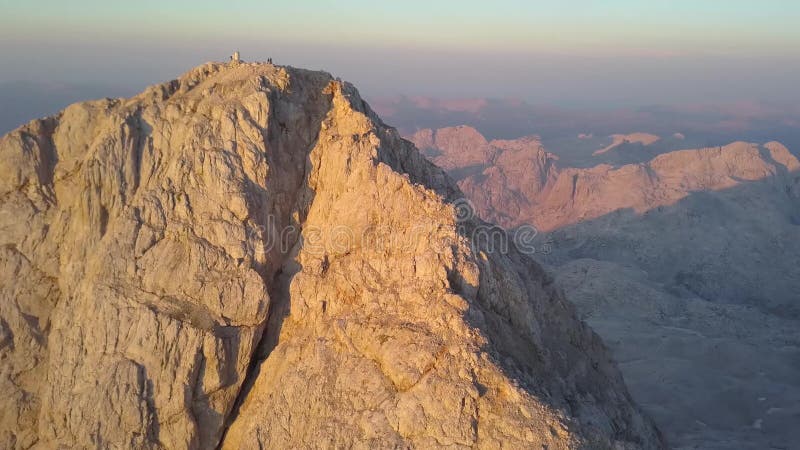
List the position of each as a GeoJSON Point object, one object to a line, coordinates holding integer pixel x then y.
{"type": "Point", "coordinates": [583, 54]}
{"type": "Point", "coordinates": [726, 69]}
{"type": "Point", "coordinates": [566, 224]}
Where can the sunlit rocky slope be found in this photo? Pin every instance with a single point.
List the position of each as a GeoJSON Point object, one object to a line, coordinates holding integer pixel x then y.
{"type": "Point", "coordinates": [247, 257]}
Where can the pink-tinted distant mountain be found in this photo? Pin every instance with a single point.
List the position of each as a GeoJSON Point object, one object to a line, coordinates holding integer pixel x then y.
{"type": "Point", "coordinates": [686, 260]}
{"type": "Point", "coordinates": [633, 138]}
{"type": "Point", "coordinates": [696, 125]}
{"type": "Point", "coordinates": [515, 182]}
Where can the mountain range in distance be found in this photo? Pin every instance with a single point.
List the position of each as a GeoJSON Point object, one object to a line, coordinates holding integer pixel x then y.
{"type": "Point", "coordinates": [566, 128]}
{"type": "Point", "coordinates": [701, 125]}
{"type": "Point", "coordinates": [686, 261]}
{"type": "Point", "coordinates": [677, 244]}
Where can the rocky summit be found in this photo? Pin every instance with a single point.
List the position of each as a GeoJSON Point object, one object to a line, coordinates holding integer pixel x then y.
{"type": "Point", "coordinates": [247, 257]}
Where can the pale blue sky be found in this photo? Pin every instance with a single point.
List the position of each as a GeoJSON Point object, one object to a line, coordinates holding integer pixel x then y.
{"type": "Point", "coordinates": [571, 51]}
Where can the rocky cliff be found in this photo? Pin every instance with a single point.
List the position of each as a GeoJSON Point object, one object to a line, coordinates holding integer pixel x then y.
{"type": "Point", "coordinates": [247, 257]}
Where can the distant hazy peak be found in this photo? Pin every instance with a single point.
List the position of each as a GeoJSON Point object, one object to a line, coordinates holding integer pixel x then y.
{"type": "Point", "coordinates": [516, 181]}
{"type": "Point", "coordinates": [633, 138]}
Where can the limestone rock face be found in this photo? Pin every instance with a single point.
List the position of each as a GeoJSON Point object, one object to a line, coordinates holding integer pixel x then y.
{"type": "Point", "coordinates": [247, 257]}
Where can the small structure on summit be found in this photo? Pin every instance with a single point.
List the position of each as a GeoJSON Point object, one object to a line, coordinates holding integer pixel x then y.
{"type": "Point", "coordinates": [235, 58]}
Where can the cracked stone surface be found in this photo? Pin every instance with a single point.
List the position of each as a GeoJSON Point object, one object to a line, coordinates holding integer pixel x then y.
{"type": "Point", "coordinates": [247, 257]}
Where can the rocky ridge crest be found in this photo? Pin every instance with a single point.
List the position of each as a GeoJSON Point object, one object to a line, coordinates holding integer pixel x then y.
{"type": "Point", "coordinates": [215, 263]}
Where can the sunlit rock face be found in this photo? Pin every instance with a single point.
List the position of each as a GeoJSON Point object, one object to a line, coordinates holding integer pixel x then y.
{"type": "Point", "coordinates": [247, 257]}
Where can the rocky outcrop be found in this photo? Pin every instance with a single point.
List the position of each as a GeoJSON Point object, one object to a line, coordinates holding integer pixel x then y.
{"type": "Point", "coordinates": [502, 178]}
{"type": "Point", "coordinates": [445, 147]}
{"type": "Point", "coordinates": [246, 257]}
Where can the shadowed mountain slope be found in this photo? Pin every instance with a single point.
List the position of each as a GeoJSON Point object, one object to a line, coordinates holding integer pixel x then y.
{"type": "Point", "coordinates": [687, 264]}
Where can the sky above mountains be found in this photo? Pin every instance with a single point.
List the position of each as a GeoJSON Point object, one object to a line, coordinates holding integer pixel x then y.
{"type": "Point", "coordinates": [572, 53]}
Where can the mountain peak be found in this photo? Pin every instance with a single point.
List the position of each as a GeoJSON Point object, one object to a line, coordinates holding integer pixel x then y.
{"type": "Point", "coordinates": [247, 256]}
